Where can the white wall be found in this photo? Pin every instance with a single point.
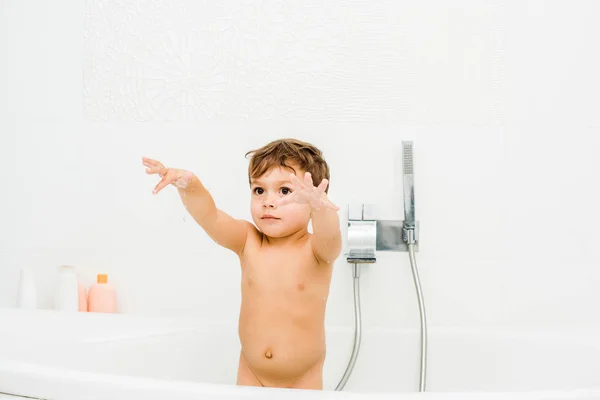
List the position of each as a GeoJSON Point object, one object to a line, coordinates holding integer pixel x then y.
{"type": "Point", "coordinates": [500, 98]}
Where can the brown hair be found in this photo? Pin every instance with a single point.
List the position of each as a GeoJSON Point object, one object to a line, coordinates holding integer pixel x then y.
{"type": "Point", "coordinates": [286, 153]}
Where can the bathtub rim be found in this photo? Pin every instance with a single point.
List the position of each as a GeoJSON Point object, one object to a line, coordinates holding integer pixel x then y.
{"type": "Point", "coordinates": [67, 384]}
{"type": "Point", "coordinates": [16, 375]}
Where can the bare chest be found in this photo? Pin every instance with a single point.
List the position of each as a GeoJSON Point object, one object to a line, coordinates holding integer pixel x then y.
{"type": "Point", "coordinates": [284, 273]}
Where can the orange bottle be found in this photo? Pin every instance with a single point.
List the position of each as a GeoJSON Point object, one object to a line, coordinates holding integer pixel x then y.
{"type": "Point", "coordinates": [102, 297]}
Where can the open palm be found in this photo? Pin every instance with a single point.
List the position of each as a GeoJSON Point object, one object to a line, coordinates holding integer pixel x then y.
{"type": "Point", "coordinates": [177, 177]}
{"type": "Point", "coordinates": [304, 192]}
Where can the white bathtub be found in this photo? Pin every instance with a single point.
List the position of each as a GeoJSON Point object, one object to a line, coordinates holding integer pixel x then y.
{"type": "Point", "coordinates": [62, 356]}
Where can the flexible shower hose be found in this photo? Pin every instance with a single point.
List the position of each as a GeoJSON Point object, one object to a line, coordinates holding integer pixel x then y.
{"type": "Point", "coordinates": [357, 328]}
{"type": "Point", "coordinates": [415, 273]}
{"type": "Point", "coordinates": [357, 323]}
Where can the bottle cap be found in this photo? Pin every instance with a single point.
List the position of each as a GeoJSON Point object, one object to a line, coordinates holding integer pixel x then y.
{"type": "Point", "coordinates": [102, 278]}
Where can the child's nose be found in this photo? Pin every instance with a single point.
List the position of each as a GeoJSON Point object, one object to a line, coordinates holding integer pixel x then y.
{"type": "Point", "coordinates": [270, 201]}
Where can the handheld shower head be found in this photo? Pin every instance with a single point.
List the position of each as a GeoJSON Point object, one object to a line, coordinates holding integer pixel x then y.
{"type": "Point", "coordinates": [409, 185]}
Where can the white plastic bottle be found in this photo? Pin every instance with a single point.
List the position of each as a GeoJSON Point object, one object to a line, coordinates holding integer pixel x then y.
{"type": "Point", "coordinates": [66, 291]}
{"type": "Point", "coordinates": [26, 295]}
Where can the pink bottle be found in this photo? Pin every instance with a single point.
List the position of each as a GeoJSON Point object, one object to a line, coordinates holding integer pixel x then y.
{"type": "Point", "coordinates": [102, 297]}
{"type": "Point", "coordinates": [83, 307]}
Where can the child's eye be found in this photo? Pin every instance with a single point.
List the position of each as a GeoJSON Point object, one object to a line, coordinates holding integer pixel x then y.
{"type": "Point", "coordinates": [285, 191]}
{"type": "Point", "coordinates": [258, 190]}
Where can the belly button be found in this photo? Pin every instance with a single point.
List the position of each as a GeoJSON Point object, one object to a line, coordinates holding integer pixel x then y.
{"type": "Point", "coordinates": [268, 354]}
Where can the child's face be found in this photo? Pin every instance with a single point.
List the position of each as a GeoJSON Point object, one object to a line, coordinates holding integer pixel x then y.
{"type": "Point", "coordinates": [277, 221]}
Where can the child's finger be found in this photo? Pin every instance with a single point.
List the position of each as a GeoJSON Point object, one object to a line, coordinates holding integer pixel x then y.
{"type": "Point", "coordinates": [150, 161]}
{"type": "Point", "coordinates": [308, 180]}
{"type": "Point", "coordinates": [157, 170]}
{"type": "Point", "coordinates": [163, 182]}
{"type": "Point", "coordinates": [297, 182]}
{"type": "Point", "coordinates": [322, 186]}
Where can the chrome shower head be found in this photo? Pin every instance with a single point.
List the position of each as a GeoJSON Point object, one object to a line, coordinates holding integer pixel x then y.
{"type": "Point", "coordinates": [409, 186]}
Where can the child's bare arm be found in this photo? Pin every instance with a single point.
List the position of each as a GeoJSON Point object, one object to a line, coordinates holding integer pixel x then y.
{"type": "Point", "coordinates": [327, 238]}
{"type": "Point", "coordinates": [225, 230]}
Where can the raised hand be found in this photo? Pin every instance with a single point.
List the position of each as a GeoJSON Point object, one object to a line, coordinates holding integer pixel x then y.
{"type": "Point", "coordinates": [177, 177]}
{"type": "Point", "coordinates": [304, 192]}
